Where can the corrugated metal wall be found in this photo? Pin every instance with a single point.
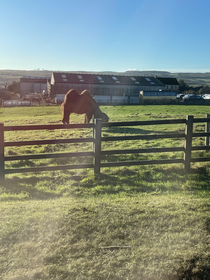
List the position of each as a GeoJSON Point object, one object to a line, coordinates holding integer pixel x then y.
{"type": "Point", "coordinates": [106, 99]}
{"type": "Point", "coordinates": [32, 87]}
{"type": "Point", "coordinates": [119, 90]}
{"type": "Point", "coordinates": [26, 87]}
{"type": "Point", "coordinates": [40, 87]}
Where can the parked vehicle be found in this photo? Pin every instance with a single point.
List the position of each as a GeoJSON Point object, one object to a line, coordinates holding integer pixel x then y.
{"type": "Point", "coordinates": [180, 96]}
{"type": "Point", "coordinates": [206, 96]}
{"type": "Point", "coordinates": [192, 97]}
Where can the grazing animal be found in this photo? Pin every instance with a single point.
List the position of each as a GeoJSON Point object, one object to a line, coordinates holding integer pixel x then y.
{"type": "Point", "coordinates": [82, 103]}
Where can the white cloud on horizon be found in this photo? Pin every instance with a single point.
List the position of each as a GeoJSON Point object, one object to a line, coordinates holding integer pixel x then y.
{"type": "Point", "coordinates": [174, 70]}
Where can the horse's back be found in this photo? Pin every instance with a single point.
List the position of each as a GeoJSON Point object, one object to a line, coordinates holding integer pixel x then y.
{"type": "Point", "coordinates": [72, 96]}
{"type": "Point", "coordinates": [86, 95]}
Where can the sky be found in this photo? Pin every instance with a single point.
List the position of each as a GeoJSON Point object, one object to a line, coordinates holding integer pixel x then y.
{"type": "Point", "coordinates": [105, 35]}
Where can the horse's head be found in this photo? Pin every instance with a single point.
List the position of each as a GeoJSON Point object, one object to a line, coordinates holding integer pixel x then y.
{"type": "Point", "coordinates": [98, 114]}
{"type": "Point", "coordinates": [104, 117]}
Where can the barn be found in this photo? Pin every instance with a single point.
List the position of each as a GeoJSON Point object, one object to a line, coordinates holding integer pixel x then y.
{"type": "Point", "coordinates": [106, 88]}
{"type": "Point", "coordinates": [169, 83]}
{"type": "Point", "coordinates": [33, 84]}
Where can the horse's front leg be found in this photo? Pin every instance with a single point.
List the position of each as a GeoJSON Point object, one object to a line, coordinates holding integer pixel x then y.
{"type": "Point", "coordinates": [88, 117]}
{"type": "Point", "coordinates": [66, 117]}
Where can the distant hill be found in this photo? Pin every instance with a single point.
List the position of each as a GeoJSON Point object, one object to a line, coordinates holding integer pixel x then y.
{"type": "Point", "coordinates": [9, 76]}
{"type": "Point", "coordinates": [192, 79]}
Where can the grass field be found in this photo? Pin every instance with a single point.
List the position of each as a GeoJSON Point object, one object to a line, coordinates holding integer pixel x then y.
{"type": "Point", "coordinates": [140, 222]}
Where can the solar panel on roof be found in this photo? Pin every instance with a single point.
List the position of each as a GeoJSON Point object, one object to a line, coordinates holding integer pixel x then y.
{"type": "Point", "coordinates": [100, 79]}
{"type": "Point", "coordinates": [80, 78]}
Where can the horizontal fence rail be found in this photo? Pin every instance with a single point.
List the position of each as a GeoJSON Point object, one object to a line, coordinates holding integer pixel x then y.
{"type": "Point", "coordinates": [143, 137]}
{"type": "Point", "coordinates": [48, 127]}
{"type": "Point", "coordinates": [135, 123]}
{"type": "Point", "coordinates": [142, 162]}
{"type": "Point", "coordinates": [48, 168]}
{"type": "Point", "coordinates": [141, 151]}
{"type": "Point", "coordinates": [45, 142]}
{"type": "Point", "coordinates": [98, 154]}
{"type": "Point", "coordinates": [42, 156]}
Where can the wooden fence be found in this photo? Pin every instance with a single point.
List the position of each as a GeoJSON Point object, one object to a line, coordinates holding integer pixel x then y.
{"type": "Point", "coordinates": [96, 139]}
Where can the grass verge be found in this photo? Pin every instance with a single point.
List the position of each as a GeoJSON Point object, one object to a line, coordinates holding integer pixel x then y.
{"type": "Point", "coordinates": [149, 236]}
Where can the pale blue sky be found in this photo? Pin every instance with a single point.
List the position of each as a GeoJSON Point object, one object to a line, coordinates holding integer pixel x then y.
{"type": "Point", "coordinates": [105, 35]}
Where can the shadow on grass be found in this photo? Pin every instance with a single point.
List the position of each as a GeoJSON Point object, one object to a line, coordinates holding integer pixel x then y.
{"type": "Point", "coordinates": [131, 130]}
{"type": "Point", "coordinates": [155, 180]}
{"type": "Point", "coordinates": [14, 187]}
{"type": "Point", "coordinates": [197, 268]}
{"type": "Point", "coordinates": [148, 179]}
{"type": "Point", "coordinates": [128, 181]}
{"type": "Point", "coordinates": [200, 178]}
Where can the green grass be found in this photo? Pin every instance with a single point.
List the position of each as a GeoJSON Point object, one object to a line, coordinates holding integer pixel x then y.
{"type": "Point", "coordinates": [168, 236]}
{"type": "Point", "coordinates": [139, 222]}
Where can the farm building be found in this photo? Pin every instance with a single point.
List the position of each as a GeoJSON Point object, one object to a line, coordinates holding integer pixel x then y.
{"type": "Point", "coordinates": [105, 88]}
{"type": "Point", "coordinates": [170, 83]}
{"type": "Point", "coordinates": [33, 84]}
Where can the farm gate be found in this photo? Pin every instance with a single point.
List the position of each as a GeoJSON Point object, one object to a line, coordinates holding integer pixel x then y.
{"type": "Point", "coordinates": [97, 153]}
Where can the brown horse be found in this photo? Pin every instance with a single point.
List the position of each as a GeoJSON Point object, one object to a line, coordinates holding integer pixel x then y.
{"type": "Point", "coordinates": [82, 103]}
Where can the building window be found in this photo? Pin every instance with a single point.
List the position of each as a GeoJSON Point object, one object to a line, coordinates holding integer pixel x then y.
{"type": "Point", "coordinates": [100, 79]}
{"type": "Point", "coordinates": [148, 79]}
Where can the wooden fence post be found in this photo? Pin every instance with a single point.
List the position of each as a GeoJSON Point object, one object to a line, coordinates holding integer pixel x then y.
{"type": "Point", "coordinates": [2, 175]}
{"type": "Point", "coordinates": [207, 130]}
{"type": "Point", "coordinates": [97, 145]}
{"type": "Point", "coordinates": [188, 142]}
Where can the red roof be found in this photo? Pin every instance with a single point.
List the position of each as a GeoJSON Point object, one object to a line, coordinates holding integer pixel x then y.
{"type": "Point", "coordinates": [77, 78]}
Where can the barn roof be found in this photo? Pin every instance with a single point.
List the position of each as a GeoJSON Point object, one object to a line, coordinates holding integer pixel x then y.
{"type": "Point", "coordinates": [168, 81]}
{"type": "Point", "coordinates": [81, 78]}
{"type": "Point", "coordinates": [29, 79]}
